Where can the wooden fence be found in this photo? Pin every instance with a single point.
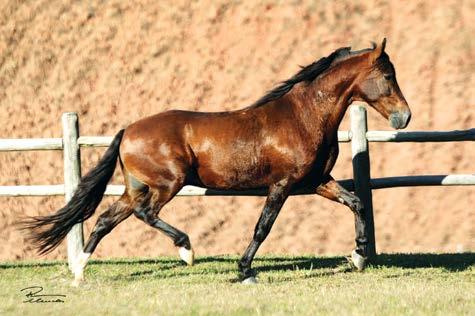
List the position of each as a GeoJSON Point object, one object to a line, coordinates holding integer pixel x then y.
{"type": "Point", "coordinates": [359, 136]}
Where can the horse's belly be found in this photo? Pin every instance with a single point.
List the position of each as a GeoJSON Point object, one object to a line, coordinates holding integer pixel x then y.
{"type": "Point", "coordinates": [235, 175]}
{"type": "Point", "coordinates": [248, 170]}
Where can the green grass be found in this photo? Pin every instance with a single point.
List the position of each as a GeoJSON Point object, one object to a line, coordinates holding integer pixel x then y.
{"type": "Point", "coordinates": [402, 284]}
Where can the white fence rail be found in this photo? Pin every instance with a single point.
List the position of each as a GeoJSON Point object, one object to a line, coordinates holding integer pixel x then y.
{"type": "Point", "coordinates": [189, 190]}
{"type": "Point", "coordinates": [359, 137]}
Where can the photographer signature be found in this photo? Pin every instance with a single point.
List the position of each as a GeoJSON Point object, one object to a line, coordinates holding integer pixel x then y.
{"type": "Point", "coordinates": [32, 295]}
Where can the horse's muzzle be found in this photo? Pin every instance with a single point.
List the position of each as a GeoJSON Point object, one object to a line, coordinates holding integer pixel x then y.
{"type": "Point", "coordinates": [399, 120]}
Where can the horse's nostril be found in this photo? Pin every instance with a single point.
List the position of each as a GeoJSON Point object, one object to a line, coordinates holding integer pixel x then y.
{"type": "Point", "coordinates": [394, 121]}
{"type": "Point", "coordinates": [400, 120]}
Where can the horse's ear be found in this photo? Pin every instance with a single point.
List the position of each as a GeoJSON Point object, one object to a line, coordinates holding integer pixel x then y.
{"type": "Point", "coordinates": [378, 50]}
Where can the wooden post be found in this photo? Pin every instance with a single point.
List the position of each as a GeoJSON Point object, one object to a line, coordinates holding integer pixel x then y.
{"type": "Point", "coordinates": [72, 176]}
{"type": "Point", "coordinates": [361, 170]}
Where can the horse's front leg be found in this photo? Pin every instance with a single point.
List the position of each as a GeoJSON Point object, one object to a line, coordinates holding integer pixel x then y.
{"type": "Point", "coordinates": [332, 190]}
{"type": "Point", "coordinates": [278, 193]}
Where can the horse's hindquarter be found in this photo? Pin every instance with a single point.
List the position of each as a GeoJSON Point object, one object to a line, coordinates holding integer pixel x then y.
{"type": "Point", "coordinates": [153, 149]}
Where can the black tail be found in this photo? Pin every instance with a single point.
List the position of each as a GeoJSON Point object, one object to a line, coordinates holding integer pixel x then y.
{"type": "Point", "coordinates": [48, 231]}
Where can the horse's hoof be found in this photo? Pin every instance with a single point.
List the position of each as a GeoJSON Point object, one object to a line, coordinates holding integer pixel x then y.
{"type": "Point", "coordinates": [358, 260]}
{"type": "Point", "coordinates": [249, 280]}
{"type": "Point", "coordinates": [187, 255]}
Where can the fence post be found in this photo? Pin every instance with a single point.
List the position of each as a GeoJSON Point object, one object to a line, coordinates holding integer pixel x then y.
{"type": "Point", "coordinates": [361, 170]}
{"type": "Point", "coordinates": [72, 176]}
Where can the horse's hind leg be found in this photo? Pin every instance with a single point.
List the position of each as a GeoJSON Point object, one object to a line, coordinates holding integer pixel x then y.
{"type": "Point", "coordinates": [115, 214]}
{"type": "Point", "coordinates": [148, 212]}
{"type": "Point", "coordinates": [332, 190]}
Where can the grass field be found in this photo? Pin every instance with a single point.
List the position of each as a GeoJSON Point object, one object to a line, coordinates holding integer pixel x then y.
{"type": "Point", "coordinates": [415, 284]}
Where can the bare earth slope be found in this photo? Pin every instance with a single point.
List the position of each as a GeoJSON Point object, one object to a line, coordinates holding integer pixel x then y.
{"type": "Point", "coordinates": [114, 62]}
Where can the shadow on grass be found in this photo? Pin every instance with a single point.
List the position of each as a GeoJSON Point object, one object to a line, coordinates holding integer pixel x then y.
{"type": "Point", "coordinates": [316, 266]}
{"type": "Point", "coordinates": [14, 265]}
{"type": "Point", "coordinates": [262, 264]}
{"type": "Point", "coordinates": [451, 262]}
{"type": "Point", "coordinates": [227, 265]}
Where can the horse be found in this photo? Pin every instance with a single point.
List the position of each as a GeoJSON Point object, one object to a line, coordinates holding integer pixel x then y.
{"type": "Point", "coordinates": [285, 140]}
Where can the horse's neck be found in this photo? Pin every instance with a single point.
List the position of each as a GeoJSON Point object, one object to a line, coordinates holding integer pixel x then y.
{"type": "Point", "coordinates": [321, 105]}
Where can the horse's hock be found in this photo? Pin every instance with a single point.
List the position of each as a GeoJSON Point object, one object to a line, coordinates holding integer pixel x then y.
{"type": "Point", "coordinates": [361, 183]}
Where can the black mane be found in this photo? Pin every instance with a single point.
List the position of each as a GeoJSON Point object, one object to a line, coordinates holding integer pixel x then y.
{"type": "Point", "coordinates": [307, 74]}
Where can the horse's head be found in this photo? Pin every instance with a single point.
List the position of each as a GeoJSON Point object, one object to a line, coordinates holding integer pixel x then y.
{"type": "Point", "coordinates": [378, 87]}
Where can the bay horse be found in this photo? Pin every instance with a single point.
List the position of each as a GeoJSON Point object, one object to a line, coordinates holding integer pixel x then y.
{"type": "Point", "coordinates": [285, 140]}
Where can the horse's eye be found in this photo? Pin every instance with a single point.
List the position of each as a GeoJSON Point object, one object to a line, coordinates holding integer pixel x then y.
{"type": "Point", "coordinates": [388, 77]}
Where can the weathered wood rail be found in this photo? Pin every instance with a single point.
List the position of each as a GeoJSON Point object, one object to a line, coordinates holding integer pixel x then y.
{"type": "Point", "coordinates": [359, 136]}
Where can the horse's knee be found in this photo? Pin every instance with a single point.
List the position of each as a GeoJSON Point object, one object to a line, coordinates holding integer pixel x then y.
{"type": "Point", "coordinates": [356, 205]}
